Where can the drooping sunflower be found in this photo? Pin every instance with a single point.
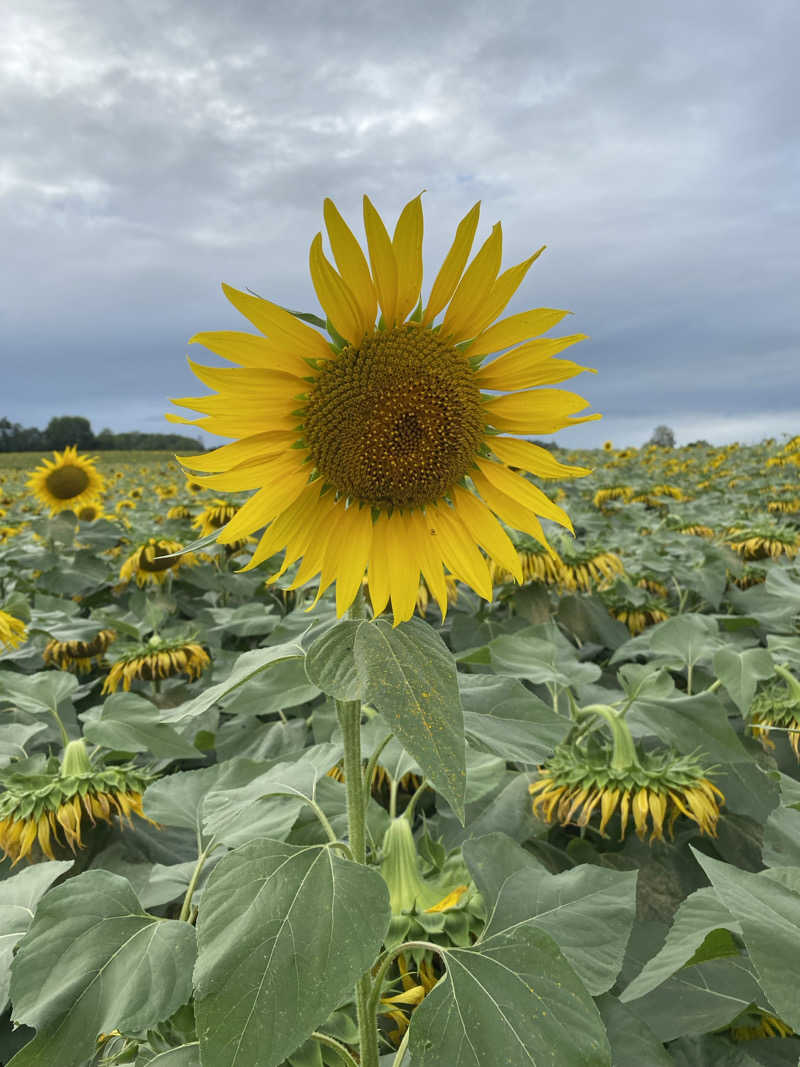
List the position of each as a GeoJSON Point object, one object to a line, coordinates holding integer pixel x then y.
{"type": "Point", "coordinates": [157, 660]}
{"type": "Point", "coordinates": [67, 482]}
{"type": "Point", "coordinates": [386, 450]}
{"type": "Point", "coordinates": [777, 706]}
{"type": "Point", "coordinates": [214, 516]}
{"type": "Point", "coordinates": [654, 788]}
{"type": "Point", "coordinates": [78, 655]}
{"type": "Point", "coordinates": [12, 631]}
{"type": "Point", "coordinates": [149, 565]}
{"type": "Point", "coordinates": [41, 807]}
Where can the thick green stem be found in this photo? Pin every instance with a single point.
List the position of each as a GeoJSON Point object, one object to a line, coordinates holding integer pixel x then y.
{"type": "Point", "coordinates": [349, 713]}
{"type": "Point", "coordinates": [689, 667]}
{"type": "Point", "coordinates": [331, 1042]}
{"type": "Point", "coordinates": [187, 900]}
{"type": "Point", "coordinates": [624, 757]}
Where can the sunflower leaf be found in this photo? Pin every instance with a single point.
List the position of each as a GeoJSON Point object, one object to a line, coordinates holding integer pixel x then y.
{"type": "Point", "coordinates": [409, 675]}
{"type": "Point", "coordinates": [92, 961]}
{"type": "Point", "coordinates": [284, 933]}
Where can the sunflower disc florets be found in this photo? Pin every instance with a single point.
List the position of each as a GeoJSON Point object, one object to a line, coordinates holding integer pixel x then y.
{"type": "Point", "coordinates": [53, 808]}
{"type": "Point", "coordinates": [575, 783]}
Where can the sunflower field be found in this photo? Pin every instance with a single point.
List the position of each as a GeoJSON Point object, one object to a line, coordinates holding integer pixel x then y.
{"type": "Point", "coordinates": [158, 725]}
{"type": "Point", "coordinates": [378, 736]}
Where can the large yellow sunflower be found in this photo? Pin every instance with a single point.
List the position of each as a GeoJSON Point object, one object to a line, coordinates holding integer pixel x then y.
{"type": "Point", "coordinates": [382, 450]}
{"type": "Point", "coordinates": [67, 482]}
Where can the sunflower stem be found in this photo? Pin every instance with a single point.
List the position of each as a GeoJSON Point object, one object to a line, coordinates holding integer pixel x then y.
{"type": "Point", "coordinates": [349, 714]}
{"type": "Point", "coordinates": [624, 757]}
{"type": "Point", "coordinates": [186, 908]}
{"type": "Point", "coordinates": [331, 1042]}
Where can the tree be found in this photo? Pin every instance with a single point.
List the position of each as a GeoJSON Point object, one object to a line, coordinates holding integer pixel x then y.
{"type": "Point", "coordinates": [663, 436]}
{"type": "Point", "coordinates": [63, 430]}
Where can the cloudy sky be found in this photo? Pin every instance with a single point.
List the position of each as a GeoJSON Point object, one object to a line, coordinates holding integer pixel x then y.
{"type": "Point", "coordinates": [151, 150]}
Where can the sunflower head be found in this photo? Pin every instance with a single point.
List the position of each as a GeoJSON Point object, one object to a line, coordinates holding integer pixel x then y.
{"type": "Point", "coordinates": [54, 808]}
{"type": "Point", "coordinates": [383, 448]}
{"type": "Point", "coordinates": [214, 516]}
{"type": "Point", "coordinates": [777, 705]}
{"type": "Point", "coordinates": [577, 783]}
{"type": "Point", "coordinates": [78, 655]}
{"type": "Point", "coordinates": [179, 511]}
{"type": "Point", "coordinates": [67, 482]}
{"type": "Point", "coordinates": [608, 446]}
{"type": "Point", "coordinates": [148, 565]}
{"type": "Point", "coordinates": [156, 660]}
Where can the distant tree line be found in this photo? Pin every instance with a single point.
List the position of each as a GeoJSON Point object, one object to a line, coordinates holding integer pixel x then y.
{"type": "Point", "coordinates": [64, 430]}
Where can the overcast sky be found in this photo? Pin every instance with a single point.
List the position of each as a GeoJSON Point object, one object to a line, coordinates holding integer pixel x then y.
{"type": "Point", "coordinates": [151, 150]}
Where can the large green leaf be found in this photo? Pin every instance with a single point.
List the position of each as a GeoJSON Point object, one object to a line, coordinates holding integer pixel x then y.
{"type": "Point", "coordinates": [526, 655]}
{"type": "Point", "coordinates": [19, 896]}
{"type": "Point", "coordinates": [37, 693]}
{"type": "Point", "coordinates": [247, 666]}
{"type": "Point", "coordinates": [512, 999]}
{"type": "Point", "coordinates": [633, 1044]}
{"type": "Point", "coordinates": [92, 961]}
{"type": "Point", "coordinates": [284, 933]}
{"type": "Point", "coordinates": [769, 913]}
{"type": "Point", "coordinates": [685, 639]}
{"type": "Point", "coordinates": [740, 673]}
{"type": "Point", "coordinates": [689, 723]}
{"type": "Point", "coordinates": [330, 662]}
{"type": "Point", "coordinates": [130, 723]}
{"type": "Point", "coordinates": [408, 674]}
{"type": "Point", "coordinates": [697, 917]}
{"type": "Point", "coordinates": [588, 911]}
{"type": "Point", "coordinates": [782, 838]}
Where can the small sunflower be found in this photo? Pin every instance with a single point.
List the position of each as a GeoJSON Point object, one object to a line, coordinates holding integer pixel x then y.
{"type": "Point", "coordinates": [580, 779]}
{"type": "Point", "coordinates": [777, 705]}
{"type": "Point", "coordinates": [214, 516]}
{"type": "Point", "coordinates": [763, 542]}
{"type": "Point", "coordinates": [608, 446]}
{"type": "Point", "coordinates": [612, 492]}
{"type": "Point", "coordinates": [538, 565]}
{"type": "Point", "coordinates": [157, 660]}
{"type": "Point", "coordinates": [587, 567]}
{"type": "Point", "coordinates": [12, 631]}
{"type": "Point", "coordinates": [148, 565]}
{"type": "Point", "coordinates": [179, 511]}
{"type": "Point", "coordinates": [41, 807]}
{"type": "Point", "coordinates": [757, 1024]}
{"type": "Point", "coordinates": [90, 512]}
{"type": "Point", "coordinates": [368, 452]}
{"type": "Point", "coordinates": [67, 482]}
{"type": "Point", "coordinates": [78, 655]}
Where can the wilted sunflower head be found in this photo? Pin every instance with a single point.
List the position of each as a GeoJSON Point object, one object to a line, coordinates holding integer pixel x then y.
{"type": "Point", "coordinates": [579, 781]}
{"type": "Point", "coordinates": [67, 482]}
{"type": "Point", "coordinates": [78, 655]}
{"type": "Point", "coordinates": [156, 660]}
{"type": "Point", "coordinates": [777, 705]}
{"type": "Point", "coordinates": [149, 565]}
{"type": "Point", "coordinates": [43, 807]}
{"type": "Point", "coordinates": [214, 516]}
{"type": "Point", "coordinates": [179, 511]}
{"type": "Point", "coordinates": [384, 449]}
{"type": "Point", "coordinates": [13, 632]}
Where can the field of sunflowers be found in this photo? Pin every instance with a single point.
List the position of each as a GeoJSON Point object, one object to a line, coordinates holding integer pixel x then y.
{"type": "Point", "coordinates": [631, 710]}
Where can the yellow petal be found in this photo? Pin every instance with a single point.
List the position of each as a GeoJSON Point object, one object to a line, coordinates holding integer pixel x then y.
{"type": "Point", "coordinates": [514, 329]}
{"type": "Point", "coordinates": [351, 262]}
{"type": "Point", "coordinates": [335, 295]}
{"type": "Point", "coordinates": [353, 555]}
{"type": "Point", "coordinates": [305, 529]}
{"type": "Point", "coordinates": [478, 280]}
{"type": "Point", "coordinates": [286, 331]}
{"type": "Point", "coordinates": [285, 526]}
{"type": "Point", "coordinates": [450, 900]}
{"type": "Point", "coordinates": [533, 458]}
{"type": "Point", "coordinates": [269, 443]}
{"type": "Point", "coordinates": [493, 303]}
{"type": "Point", "coordinates": [453, 267]}
{"type": "Point", "coordinates": [530, 365]}
{"type": "Point", "coordinates": [262, 508]}
{"type": "Point", "coordinates": [422, 542]}
{"type": "Point", "coordinates": [383, 262]}
{"type": "Point", "coordinates": [403, 571]}
{"type": "Point", "coordinates": [378, 570]}
{"type": "Point", "coordinates": [487, 531]}
{"type": "Point", "coordinates": [247, 380]}
{"type": "Point", "coordinates": [459, 551]}
{"type": "Point", "coordinates": [511, 511]}
{"type": "Point", "coordinates": [520, 489]}
{"type": "Point", "coordinates": [407, 246]}
{"type": "Point", "coordinates": [249, 350]}
{"type": "Point", "coordinates": [535, 411]}
{"type": "Point", "coordinates": [256, 474]}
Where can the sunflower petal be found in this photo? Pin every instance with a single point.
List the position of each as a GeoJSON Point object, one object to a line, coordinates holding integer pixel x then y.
{"type": "Point", "coordinates": [453, 267]}
{"type": "Point", "coordinates": [407, 245]}
{"type": "Point", "coordinates": [335, 295]}
{"type": "Point", "coordinates": [515, 328]}
{"type": "Point", "coordinates": [511, 511]}
{"type": "Point", "coordinates": [494, 302]}
{"type": "Point", "coordinates": [351, 262]}
{"type": "Point", "coordinates": [487, 531]}
{"type": "Point", "coordinates": [459, 551]}
{"type": "Point", "coordinates": [383, 262]}
{"type": "Point", "coordinates": [478, 279]}
{"type": "Point", "coordinates": [520, 489]}
{"type": "Point", "coordinates": [530, 365]}
{"type": "Point", "coordinates": [284, 330]}
{"type": "Point", "coordinates": [530, 457]}
{"type": "Point", "coordinates": [250, 350]}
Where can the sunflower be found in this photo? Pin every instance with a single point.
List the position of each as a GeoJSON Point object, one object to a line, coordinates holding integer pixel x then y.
{"type": "Point", "coordinates": [538, 565]}
{"type": "Point", "coordinates": [78, 655]}
{"type": "Point", "coordinates": [372, 452]}
{"type": "Point", "coordinates": [756, 1024]}
{"type": "Point", "coordinates": [763, 542]}
{"type": "Point", "coordinates": [214, 516]}
{"type": "Point", "coordinates": [179, 511]}
{"type": "Point", "coordinates": [12, 631]}
{"type": "Point", "coordinates": [578, 780]}
{"type": "Point", "coordinates": [156, 660]}
{"type": "Point", "coordinates": [67, 482]}
{"type": "Point", "coordinates": [776, 705]}
{"type": "Point", "coordinates": [149, 565]}
{"type": "Point", "coordinates": [90, 512]}
{"type": "Point", "coordinates": [608, 446]}
{"type": "Point", "coordinates": [41, 807]}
